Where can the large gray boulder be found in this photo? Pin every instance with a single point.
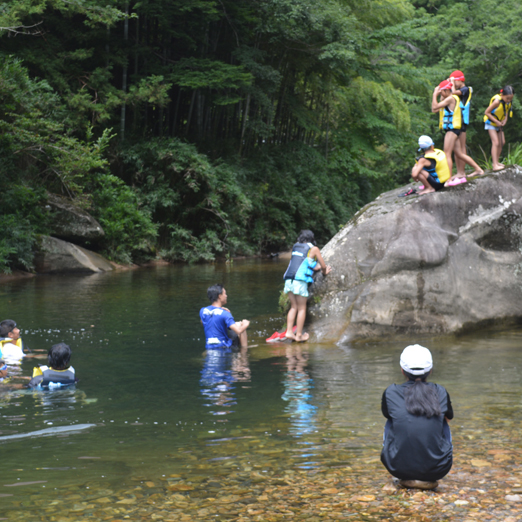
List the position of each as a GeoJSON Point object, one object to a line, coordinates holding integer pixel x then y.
{"type": "Point", "coordinates": [434, 264]}
{"type": "Point", "coordinates": [57, 256]}
{"type": "Point", "coordinates": [71, 222]}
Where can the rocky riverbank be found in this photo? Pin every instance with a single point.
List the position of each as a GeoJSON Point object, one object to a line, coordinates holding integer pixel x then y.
{"type": "Point", "coordinates": [435, 264]}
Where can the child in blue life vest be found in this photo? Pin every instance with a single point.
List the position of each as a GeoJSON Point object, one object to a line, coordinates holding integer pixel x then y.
{"type": "Point", "coordinates": [450, 121]}
{"type": "Point", "coordinates": [458, 87]}
{"type": "Point", "coordinates": [306, 259]}
{"type": "Point", "coordinates": [417, 447]}
{"type": "Point", "coordinates": [495, 119]}
{"type": "Point", "coordinates": [58, 373]}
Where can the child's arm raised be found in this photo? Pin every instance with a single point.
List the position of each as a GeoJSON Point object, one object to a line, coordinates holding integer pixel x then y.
{"type": "Point", "coordinates": [436, 105]}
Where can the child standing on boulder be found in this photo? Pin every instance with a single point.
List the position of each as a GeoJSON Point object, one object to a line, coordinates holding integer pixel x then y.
{"type": "Point", "coordinates": [458, 87]}
{"type": "Point", "coordinates": [417, 446]}
{"type": "Point", "coordinates": [450, 121]}
{"type": "Point", "coordinates": [495, 118]}
{"type": "Point", "coordinates": [306, 258]}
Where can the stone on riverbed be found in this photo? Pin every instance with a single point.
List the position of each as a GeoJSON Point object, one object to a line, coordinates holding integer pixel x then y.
{"type": "Point", "coordinates": [435, 264]}
{"type": "Point", "coordinates": [57, 256]}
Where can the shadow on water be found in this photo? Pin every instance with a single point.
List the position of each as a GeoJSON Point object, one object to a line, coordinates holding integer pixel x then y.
{"type": "Point", "coordinates": [157, 428]}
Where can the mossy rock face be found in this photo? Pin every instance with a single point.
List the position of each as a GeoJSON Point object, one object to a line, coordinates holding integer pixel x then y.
{"type": "Point", "coordinates": [435, 264]}
{"type": "Point", "coordinates": [72, 223]}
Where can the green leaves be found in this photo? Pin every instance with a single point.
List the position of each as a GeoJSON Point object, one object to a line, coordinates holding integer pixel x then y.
{"type": "Point", "coordinates": [209, 74]}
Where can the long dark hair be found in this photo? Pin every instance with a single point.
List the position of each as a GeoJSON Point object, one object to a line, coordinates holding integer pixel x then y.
{"type": "Point", "coordinates": [421, 399]}
{"type": "Point", "coordinates": [507, 90]}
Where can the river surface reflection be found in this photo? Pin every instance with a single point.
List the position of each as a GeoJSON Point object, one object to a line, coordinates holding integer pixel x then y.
{"type": "Point", "coordinates": [154, 413]}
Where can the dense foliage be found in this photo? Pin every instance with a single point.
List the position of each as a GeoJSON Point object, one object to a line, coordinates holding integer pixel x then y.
{"type": "Point", "coordinates": [220, 127]}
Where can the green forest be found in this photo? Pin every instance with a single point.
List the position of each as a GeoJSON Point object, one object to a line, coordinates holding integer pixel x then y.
{"type": "Point", "coordinates": [199, 129]}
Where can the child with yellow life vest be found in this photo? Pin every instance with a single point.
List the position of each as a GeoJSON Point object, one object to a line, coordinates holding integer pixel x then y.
{"type": "Point", "coordinates": [59, 373]}
{"type": "Point", "coordinates": [458, 87]}
{"type": "Point", "coordinates": [495, 118]}
{"type": "Point", "coordinates": [431, 169]}
{"type": "Point", "coordinates": [450, 121]}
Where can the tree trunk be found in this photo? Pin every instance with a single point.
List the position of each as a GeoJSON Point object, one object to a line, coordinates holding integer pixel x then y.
{"type": "Point", "coordinates": [124, 79]}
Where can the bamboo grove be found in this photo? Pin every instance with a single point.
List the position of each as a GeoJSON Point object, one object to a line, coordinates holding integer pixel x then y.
{"type": "Point", "coordinates": [223, 126]}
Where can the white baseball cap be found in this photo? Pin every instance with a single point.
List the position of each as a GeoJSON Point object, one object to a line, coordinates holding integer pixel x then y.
{"type": "Point", "coordinates": [425, 142]}
{"type": "Point", "coordinates": [416, 359]}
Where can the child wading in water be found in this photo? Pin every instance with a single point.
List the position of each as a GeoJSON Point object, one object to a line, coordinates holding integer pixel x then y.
{"type": "Point", "coordinates": [495, 118]}
{"type": "Point", "coordinates": [58, 373]}
{"type": "Point", "coordinates": [417, 446]}
{"type": "Point", "coordinates": [450, 121]}
{"type": "Point", "coordinates": [306, 259]}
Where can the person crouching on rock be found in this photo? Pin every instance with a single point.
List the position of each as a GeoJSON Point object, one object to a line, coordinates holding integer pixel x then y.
{"type": "Point", "coordinates": [431, 169]}
{"type": "Point", "coordinates": [417, 446]}
{"type": "Point", "coordinates": [306, 259]}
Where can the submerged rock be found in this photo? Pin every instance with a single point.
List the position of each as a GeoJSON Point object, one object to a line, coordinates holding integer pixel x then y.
{"type": "Point", "coordinates": [56, 256]}
{"type": "Point", "coordinates": [434, 264]}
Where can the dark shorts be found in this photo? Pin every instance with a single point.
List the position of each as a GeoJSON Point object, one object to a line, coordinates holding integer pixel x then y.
{"type": "Point", "coordinates": [235, 338]}
{"type": "Point", "coordinates": [464, 127]}
{"type": "Point", "coordinates": [434, 183]}
{"type": "Point", "coordinates": [456, 131]}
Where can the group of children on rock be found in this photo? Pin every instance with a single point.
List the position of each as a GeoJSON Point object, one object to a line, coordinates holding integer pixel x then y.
{"type": "Point", "coordinates": [58, 372]}
{"type": "Point", "coordinates": [452, 100]}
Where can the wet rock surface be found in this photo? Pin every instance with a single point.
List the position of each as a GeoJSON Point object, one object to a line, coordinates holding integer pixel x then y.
{"type": "Point", "coordinates": [73, 223]}
{"type": "Point", "coordinates": [57, 256]}
{"type": "Point", "coordinates": [435, 264]}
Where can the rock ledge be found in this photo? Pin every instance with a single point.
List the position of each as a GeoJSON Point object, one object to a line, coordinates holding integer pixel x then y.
{"type": "Point", "coordinates": [435, 264]}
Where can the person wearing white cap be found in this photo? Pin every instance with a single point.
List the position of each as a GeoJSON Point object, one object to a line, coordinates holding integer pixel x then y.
{"type": "Point", "coordinates": [431, 169]}
{"type": "Point", "coordinates": [417, 446]}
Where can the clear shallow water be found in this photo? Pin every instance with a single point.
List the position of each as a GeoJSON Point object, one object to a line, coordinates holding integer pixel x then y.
{"type": "Point", "coordinates": [152, 408]}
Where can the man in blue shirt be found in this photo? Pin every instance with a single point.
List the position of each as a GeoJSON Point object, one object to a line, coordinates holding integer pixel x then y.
{"type": "Point", "coordinates": [221, 329]}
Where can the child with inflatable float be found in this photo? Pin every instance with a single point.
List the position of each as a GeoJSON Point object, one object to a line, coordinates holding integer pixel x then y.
{"type": "Point", "coordinates": [452, 100]}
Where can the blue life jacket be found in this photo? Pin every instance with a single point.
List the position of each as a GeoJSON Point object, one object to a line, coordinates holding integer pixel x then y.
{"type": "Point", "coordinates": [301, 267]}
{"type": "Point", "coordinates": [465, 107]}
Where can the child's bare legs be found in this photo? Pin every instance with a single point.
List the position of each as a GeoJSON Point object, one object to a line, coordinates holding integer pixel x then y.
{"type": "Point", "coordinates": [462, 158]}
{"type": "Point", "coordinates": [449, 145]}
{"type": "Point", "coordinates": [422, 176]}
{"type": "Point", "coordinates": [291, 316]}
{"type": "Point", "coordinates": [461, 164]}
{"type": "Point", "coordinates": [497, 142]}
{"type": "Point", "coordinates": [297, 314]}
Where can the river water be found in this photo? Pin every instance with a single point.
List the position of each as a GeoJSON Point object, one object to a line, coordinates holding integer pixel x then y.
{"type": "Point", "coordinates": [157, 429]}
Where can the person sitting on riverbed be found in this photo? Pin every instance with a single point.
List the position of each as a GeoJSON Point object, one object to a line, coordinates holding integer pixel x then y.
{"type": "Point", "coordinates": [221, 329]}
{"type": "Point", "coordinates": [58, 373]}
{"type": "Point", "coordinates": [11, 344]}
{"type": "Point", "coordinates": [417, 446]}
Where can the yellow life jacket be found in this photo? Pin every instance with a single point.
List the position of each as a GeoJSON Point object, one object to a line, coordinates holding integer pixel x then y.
{"type": "Point", "coordinates": [442, 172]}
{"type": "Point", "coordinates": [500, 111]}
{"type": "Point", "coordinates": [10, 350]}
{"type": "Point", "coordinates": [451, 119]}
